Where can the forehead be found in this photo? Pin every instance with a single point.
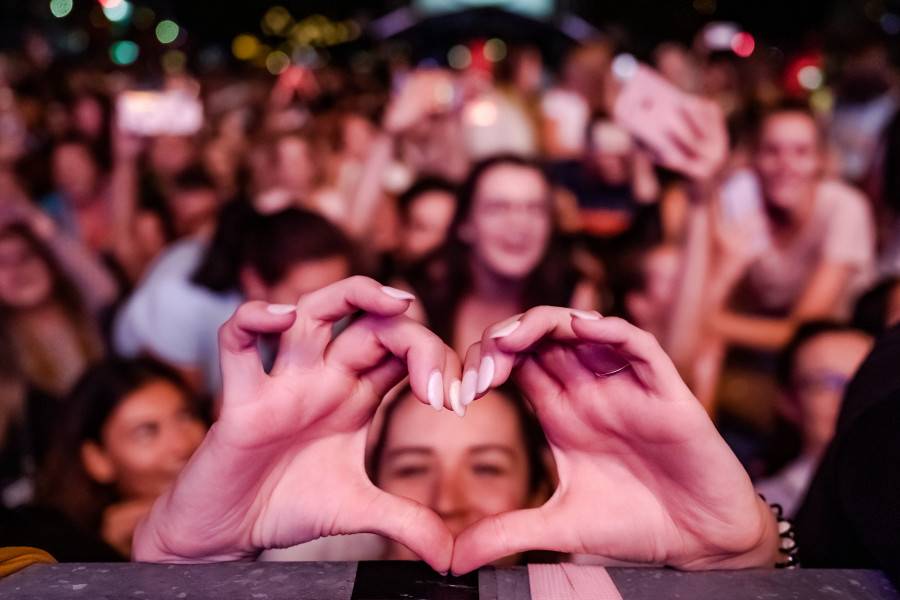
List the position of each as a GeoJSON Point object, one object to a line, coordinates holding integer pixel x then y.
{"type": "Point", "coordinates": [490, 420]}
{"type": "Point", "coordinates": [794, 126]}
{"type": "Point", "coordinates": [838, 351]}
{"type": "Point", "coordinates": [511, 182]}
{"type": "Point", "coordinates": [155, 399]}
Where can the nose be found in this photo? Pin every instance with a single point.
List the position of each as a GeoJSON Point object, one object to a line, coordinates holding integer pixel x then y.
{"type": "Point", "coordinates": [451, 502]}
{"type": "Point", "coordinates": [181, 444]}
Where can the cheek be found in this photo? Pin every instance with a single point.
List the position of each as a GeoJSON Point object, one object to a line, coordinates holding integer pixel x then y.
{"type": "Point", "coordinates": [497, 496]}
{"type": "Point", "coordinates": [419, 489]}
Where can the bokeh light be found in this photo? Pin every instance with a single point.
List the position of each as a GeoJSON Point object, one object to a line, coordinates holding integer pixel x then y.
{"type": "Point", "coordinates": [124, 52]}
{"type": "Point", "coordinates": [118, 12]}
{"type": "Point", "coordinates": [495, 50]}
{"type": "Point", "coordinates": [60, 8]}
{"type": "Point", "coordinates": [173, 61]}
{"type": "Point", "coordinates": [277, 62]}
{"type": "Point", "coordinates": [743, 44]}
{"type": "Point", "coordinates": [459, 57]}
{"type": "Point", "coordinates": [245, 46]}
{"type": "Point", "coordinates": [167, 31]}
{"type": "Point", "coordinates": [276, 20]}
{"type": "Point", "coordinates": [144, 17]}
{"type": "Point", "coordinates": [624, 65]}
{"type": "Point", "coordinates": [810, 77]}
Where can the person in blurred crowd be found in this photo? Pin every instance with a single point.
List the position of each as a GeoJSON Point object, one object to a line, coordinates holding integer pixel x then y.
{"type": "Point", "coordinates": [42, 311]}
{"type": "Point", "coordinates": [878, 309]}
{"type": "Point", "coordinates": [194, 202]}
{"type": "Point", "coordinates": [426, 211]}
{"type": "Point", "coordinates": [189, 292]}
{"type": "Point", "coordinates": [501, 256]}
{"type": "Point", "coordinates": [79, 203]}
{"type": "Point", "coordinates": [815, 368]}
{"type": "Point", "coordinates": [794, 244]}
{"type": "Point", "coordinates": [124, 435]}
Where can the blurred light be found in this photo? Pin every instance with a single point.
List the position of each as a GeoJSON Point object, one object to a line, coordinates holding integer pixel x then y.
{"type": "Point", "coordinates": [124, 52]}
{"type": "Point", "coordinates": [481, 113]}
{"type": "Point", "coordinates": [353, 29]}
{"type": "Point", "coordinates": [822, 101]}
{"type": "Point", "coordinates": [77, 41]}
{"type": "Point", "coordinates": [362, 62]}
{"type": "Point", "coordinates": [495, 50]}
{"type": "Point", "coordinates": [624, 66]}
{"type": "Point", "coordinates": [305, 56]}
{"type": "Point", "coordinates": [245, 46]}
{"type": "Point", "coordinates": [743, 44]}
{"type": "Point", "coordinates": [111, 3]}
{"type": "Point", "coordinates": [60, 8]}
{"type": "Point", "coordinates": [706, 7]}
{"type": "Point", "coordinates": [173, 61]}
{"type": "Point", "coordinates": [144, 17]}
{"type": "Point", "coordinates": [810, 77]}
{"type": "Point", "coordinates": [211, 57]}
{"type": "Point", "coordinates": [276, 20]}
{"type": "Point", "coordinates": [277, 62]}
{"type": "Point", "coordinates": [118, 12]}
{"type": "Point", "coordinates": [719, 35]}
{"type": "Point", "coordinates": [890, 23]}
{"type": "Point", "coordinates": [459, 57]}
{"type": "Point", "coordinates": [167, 31]}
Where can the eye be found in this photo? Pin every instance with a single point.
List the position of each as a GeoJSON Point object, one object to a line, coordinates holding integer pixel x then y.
{"type": "Point", "coordinates": [145, 431]}
{"type": "Point", "coordinates": [409, 472]}
{"type": "Point", "coordinates": [488, 470]}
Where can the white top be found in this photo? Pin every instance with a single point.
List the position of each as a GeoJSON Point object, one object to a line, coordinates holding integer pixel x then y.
{"type": "Point", "coordinates": [173, 319]}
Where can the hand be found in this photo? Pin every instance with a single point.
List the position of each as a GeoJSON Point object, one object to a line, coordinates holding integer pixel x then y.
{"type": "Point", "coordinates": [427, 92]}
{"type": "Point", "coordinates": [284, 463]}
{"type": "Point", "coordinates": [644, 476]}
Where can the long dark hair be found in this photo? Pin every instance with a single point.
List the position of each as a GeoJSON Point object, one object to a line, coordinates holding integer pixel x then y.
{"type": "Point", "coordinates": [63, 483]}
{"type": "Point", "coordinates": [442, 279]}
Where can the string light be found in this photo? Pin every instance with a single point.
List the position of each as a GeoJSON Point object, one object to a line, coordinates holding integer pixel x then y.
{"type": "Point", "coordinates": [60, 8]}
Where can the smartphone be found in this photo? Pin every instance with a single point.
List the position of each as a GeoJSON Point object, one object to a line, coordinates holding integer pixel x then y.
{"type": "Point", "coordinates": [152, 113]}
{"type": "Point", "coordinates": [646, 103]}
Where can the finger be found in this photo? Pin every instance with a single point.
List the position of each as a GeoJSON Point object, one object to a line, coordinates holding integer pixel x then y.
{"type": "Point", "coordinates": [647, 358]}
{"type": "Point", "coordinates": [304, 343]}
{"type": "Point", "coordinates": [562, 364]}
{"type": "Point", "coordinates": [477, 374]}
{"type": "Point", "coordinates": [502, 535]}
{"type": "Point", "coordinates": [432, 366]}
{"type": "Point", "coordinates": [536, 384]}
{"type": "Point", "coordinates": [537, 324]}
{"type": "Point", "coordinates": [493, 365]}
{"type": "Point", "coordinates": [238, 355]}
{"type": "Point", "coordinates": [406, 522]}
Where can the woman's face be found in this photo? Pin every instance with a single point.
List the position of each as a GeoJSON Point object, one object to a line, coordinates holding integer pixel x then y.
{"type": "Point", "coordinates": [74, 170]}
{"type": "Point", "coordinates": [510, 222]}
{"type": "Point", "coordinates": [463, 469]}
{"type": "Point", "coordinates": [147, 440]}
{"type": "Point", "coordinates": [788, 159]}
{"type": "Point", "coordinates": [430, 215]}
{"type": "Point", "coordinates": [25, 279]}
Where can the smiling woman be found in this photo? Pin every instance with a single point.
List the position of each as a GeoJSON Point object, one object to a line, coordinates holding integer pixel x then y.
{"type": "Point", "coordinates": [495, 461]}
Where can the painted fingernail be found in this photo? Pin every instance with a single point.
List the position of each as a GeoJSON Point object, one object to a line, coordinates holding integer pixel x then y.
{"type": "Point", "coordinates": [505, 330]}
{"type": "Point", "coordinates": [436, 390]}
{"type": "Point", "coordinates": [455, 404]}
{"type": "Point", "coordinates": [587, 315]}
{"type": "Point", "coordinates": [281, 309]}
{"type": "Point", "coordinates": [485, 374]}
{"type": "Point", "coordinates": [398, 294]}
{"type": "Point", "coordinates": [467, 389]}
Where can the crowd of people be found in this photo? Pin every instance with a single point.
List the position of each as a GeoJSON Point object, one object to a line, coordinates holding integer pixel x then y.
{"type": "Point", "coordinates": [476, 194]}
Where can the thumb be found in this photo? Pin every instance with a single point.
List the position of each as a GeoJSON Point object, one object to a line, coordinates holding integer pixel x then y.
{"type": "Point", "coordinates": [406, 522]}
{"type": "Point", "coordinates": [502, 535]}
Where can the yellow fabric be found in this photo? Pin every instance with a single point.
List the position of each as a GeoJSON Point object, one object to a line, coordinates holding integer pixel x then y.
{"type": "Point", "coordinates": [16, 558]}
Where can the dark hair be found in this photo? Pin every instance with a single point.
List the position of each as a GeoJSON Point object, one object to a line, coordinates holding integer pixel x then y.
{"type": "Point", "coordinates": [218, 269]}
{"type": "Point", "coordinates": [423, 185]}
{"type": "Point", "coordinates": [870, 313]}
{"type": "Point", "coordinates": [787, 358]}
{"type": "Point", "coordinates": [281, 240]}
{"type": "Point", "coordinates": [63, 483]}
{"type": "Point", "coordinates": [193, 178]}
{"type": "Point", "coordinates": [442, 278]}
{"type": "Point", "coordinates": [533, 438]}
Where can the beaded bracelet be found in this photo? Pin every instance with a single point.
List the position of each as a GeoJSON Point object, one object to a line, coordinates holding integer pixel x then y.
{"type": "Point", "coordinates": [787, 542]}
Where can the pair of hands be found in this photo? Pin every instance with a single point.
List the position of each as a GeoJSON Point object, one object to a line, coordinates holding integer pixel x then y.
{"type": "Point", "coordinates": [643, 474]}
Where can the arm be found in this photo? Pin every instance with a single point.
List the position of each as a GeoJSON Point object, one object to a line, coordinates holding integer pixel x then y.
{"type": "Point", "coordinates": [123, 190]}
{"type": "Point", "coordinates": [819, 299]}
{"type": "Point", "coordinates": [366, 198]}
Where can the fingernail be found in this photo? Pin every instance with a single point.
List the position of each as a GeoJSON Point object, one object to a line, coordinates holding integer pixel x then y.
{"type": "Point", "coordinates": [443, 573]}
{"type": "Point", "coordinates": [281, 309]}
{"type": "Point", "coordinates": [467, 389]}
{"type": "Point", "coordinates": [436, 390]}
{"type": "Point", "coordinates": [458, 408]}
{"type": "Point", "coordinates": [398, 294]}
{"type": "Point", "coordinates": [587, 315]}
{"type": "Point", "coordinates": [485, 374]}
{"type": "Point", "coordinates": [505, 330]}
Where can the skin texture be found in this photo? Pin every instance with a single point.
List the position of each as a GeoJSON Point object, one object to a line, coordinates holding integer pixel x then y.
{"type": "Point", "coordinates": [463, 469]}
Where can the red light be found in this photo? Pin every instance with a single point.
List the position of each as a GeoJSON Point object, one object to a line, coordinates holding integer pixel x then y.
{"type": "Point", "coordinates": [743, 44]}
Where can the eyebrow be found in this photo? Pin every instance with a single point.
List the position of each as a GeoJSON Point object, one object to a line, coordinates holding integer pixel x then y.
{"type": "Point", "coordinates": [403, 450]}
{"type": "Point", "coordinates": [493, 448]}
